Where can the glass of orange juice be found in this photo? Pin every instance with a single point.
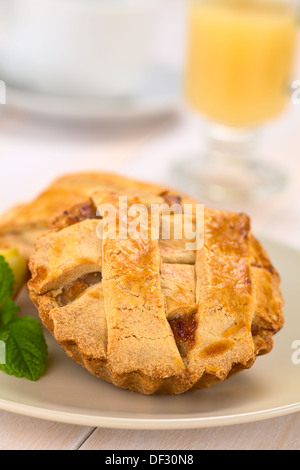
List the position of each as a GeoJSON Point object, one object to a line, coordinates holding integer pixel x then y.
{"type": "Point", "coordinates": [239, 61]}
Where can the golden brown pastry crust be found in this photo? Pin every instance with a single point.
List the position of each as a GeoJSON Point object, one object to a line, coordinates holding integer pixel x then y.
{"type": "Point", "coordinates": [22, 224]}
{"type": "Point", "coordinates": [149, 315]}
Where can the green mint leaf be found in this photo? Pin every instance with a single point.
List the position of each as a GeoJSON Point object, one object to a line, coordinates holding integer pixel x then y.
{"type": "Point", "coordinates": [6, 280]}
{"type": "Point", "coordinates": [8, 311]}
{"type": "Point", "coordinates": [25, 348]}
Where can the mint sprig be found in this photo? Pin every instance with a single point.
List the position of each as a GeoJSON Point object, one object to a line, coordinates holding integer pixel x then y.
{"type": "Point", "coordinates": [25, 346]}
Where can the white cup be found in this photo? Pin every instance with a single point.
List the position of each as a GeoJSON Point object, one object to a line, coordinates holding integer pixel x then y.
{"type": "Point", "coordinates": [82, 48]}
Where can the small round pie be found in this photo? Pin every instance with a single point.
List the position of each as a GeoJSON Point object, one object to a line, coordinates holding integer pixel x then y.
{"type": "Point", "coordinates": [149, 314]}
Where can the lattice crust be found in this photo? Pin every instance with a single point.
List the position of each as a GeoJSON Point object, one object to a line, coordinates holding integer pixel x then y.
{"type": "Point", "coordinates": [148, 315]}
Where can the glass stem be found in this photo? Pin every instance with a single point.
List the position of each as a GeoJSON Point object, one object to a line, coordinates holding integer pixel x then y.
{"type": "Point", "coordinates": [230, 146]}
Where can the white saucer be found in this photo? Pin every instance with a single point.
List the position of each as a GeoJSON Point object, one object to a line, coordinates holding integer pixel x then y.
{"type": "Point", "coordinates": [159, 94]}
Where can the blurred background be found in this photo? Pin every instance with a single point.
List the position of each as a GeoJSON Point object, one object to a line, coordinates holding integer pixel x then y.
{"type": "Point", "coordinates": [200, 94]}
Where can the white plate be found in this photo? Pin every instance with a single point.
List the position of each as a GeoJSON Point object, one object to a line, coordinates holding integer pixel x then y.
{"type": "Point", "coordinates": [158, 95]}
{"type": "Point", "coordinates": [68, 393]}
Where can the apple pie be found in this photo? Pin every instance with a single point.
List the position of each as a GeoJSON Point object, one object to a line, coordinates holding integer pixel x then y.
{"type": "Point", "coordinates": [148, 314]}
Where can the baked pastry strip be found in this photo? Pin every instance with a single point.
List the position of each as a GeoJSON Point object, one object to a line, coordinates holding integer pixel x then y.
{"type": "Point", "coordinates": [65, 255]}
{"type": "Point", "coordinates": [178, 283]}
{"type": "Point", "coordinates": [225, 305]}
{"type": "Point", "coordinates": [268, 301]}
{"type": "Point", "coordinates": [139, 335]}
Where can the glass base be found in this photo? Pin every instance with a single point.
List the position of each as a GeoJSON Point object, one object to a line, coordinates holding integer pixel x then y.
{"type": "Point", "coordinates": [253, 181]}
{"type": "Point", "coordinates": [229, 169]}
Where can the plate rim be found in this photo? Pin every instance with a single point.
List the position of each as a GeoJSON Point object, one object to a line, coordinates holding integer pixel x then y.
{"type": "Point", "coordinates": [83, 419]}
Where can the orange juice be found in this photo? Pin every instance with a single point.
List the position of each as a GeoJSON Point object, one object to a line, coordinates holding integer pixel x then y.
{"type": "Point", "coordinates": [240, 55]}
